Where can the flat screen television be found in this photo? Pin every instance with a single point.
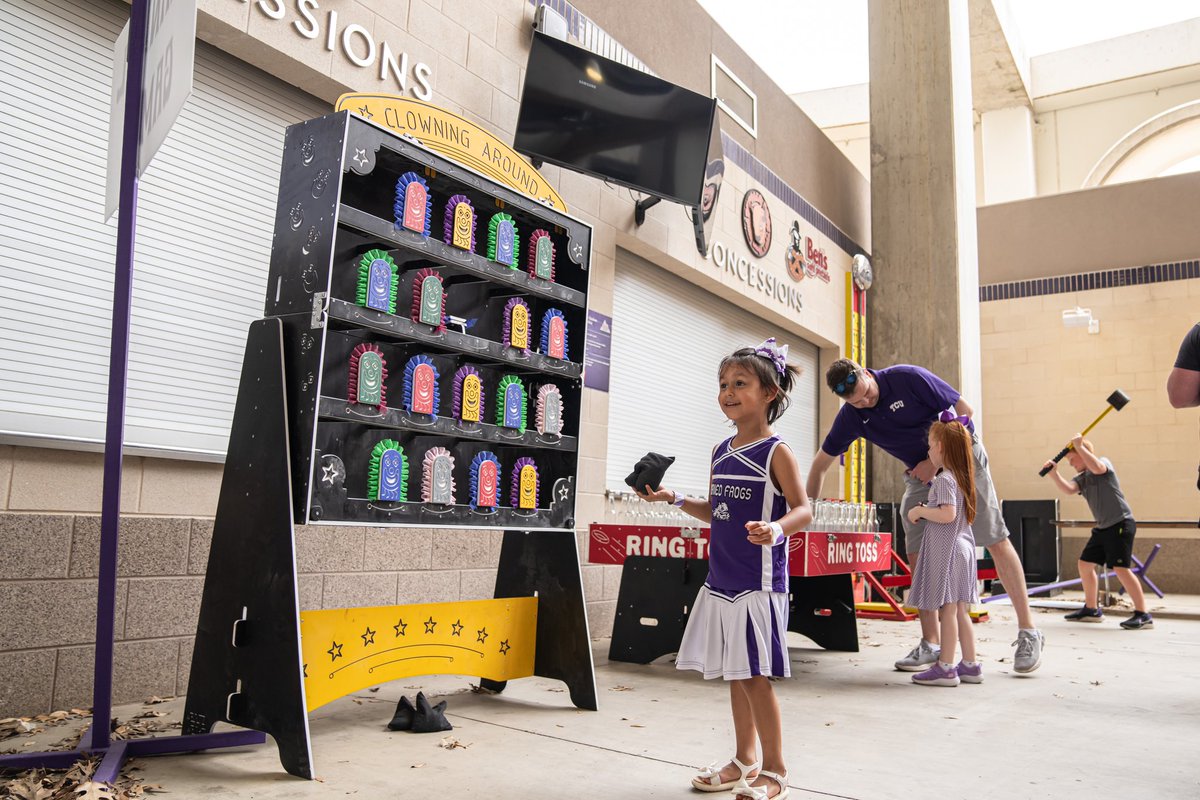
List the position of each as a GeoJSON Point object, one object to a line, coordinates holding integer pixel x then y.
{"type": "Point", "coordinates": [593, 115]}
{"type": "Point", "coordinates": [704, 216]}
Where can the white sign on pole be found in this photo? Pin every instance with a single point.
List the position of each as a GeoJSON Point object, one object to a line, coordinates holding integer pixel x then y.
{"type": "Point", "coordinates": [167, 81]}
{"type": "Point", "coordinates": [166, 84]}
{"type": "Point", "coordinates": [116, 124]}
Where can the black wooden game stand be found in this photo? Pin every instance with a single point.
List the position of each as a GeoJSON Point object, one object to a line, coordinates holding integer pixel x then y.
{"type": "Point", "coordinates": [663, 590]}
{"type": "Point", "coordinates": [299, 449]}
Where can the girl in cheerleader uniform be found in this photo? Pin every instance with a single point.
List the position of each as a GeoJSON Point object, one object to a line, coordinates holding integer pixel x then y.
{"type": "Point", "coordinates": [738, 625]}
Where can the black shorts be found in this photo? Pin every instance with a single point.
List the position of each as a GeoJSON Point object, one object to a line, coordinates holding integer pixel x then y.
{"type": "Point", "coordinates": [1111, 546]}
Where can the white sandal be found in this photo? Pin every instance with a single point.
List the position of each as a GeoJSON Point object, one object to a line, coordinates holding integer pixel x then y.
{"type": "Point", "coordinates": [760, 792]}
{"type": "Point", "coordinates": [709, 779]}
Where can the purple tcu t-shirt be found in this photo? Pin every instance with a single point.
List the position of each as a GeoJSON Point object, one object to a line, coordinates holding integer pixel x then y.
{"type": "Point", "coordinates": [910, 399]}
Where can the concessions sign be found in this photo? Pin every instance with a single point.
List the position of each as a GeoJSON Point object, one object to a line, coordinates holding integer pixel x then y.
{"type": "Point", "coordinates": [809, 553]}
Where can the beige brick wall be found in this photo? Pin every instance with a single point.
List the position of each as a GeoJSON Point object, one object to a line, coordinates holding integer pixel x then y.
{"type": "Point", "coordinates": [1042, 383]}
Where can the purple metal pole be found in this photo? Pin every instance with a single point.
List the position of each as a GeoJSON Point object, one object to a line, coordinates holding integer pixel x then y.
{"type": "Point", "coordinates": [97, 740]}
{"type": "Point", "coordinates": [118, 368]}
{"type": "Point", "coordinates": [1139, 570]}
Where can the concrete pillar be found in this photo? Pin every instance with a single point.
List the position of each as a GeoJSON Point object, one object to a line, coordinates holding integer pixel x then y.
{"type": "Point", "coordinates": [924, 306]}
{"type": "Point", "coordinates": [1008, 166]}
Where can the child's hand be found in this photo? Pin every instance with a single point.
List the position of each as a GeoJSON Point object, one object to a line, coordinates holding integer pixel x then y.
{"type": "Point", "coordinates": [1076, 441]}
{"type": "Point", "coordinates": [652, 496]}
{"type": "Point", "coordinates": [1050, 465]}
{"type": "Point", "coordinates": [914, 514]}
{"type": "Point", "coordinates": [761, 533]}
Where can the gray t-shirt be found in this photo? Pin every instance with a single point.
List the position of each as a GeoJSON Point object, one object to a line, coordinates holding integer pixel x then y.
{"type": "Point", "coordinates": [1103, 495]}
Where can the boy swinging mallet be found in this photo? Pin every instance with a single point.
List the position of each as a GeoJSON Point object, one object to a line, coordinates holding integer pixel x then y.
{"type": "Point", "coordinates": [1116, 401]}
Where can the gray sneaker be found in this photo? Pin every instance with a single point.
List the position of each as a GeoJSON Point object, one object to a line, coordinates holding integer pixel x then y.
{"type": "Point", "coordinates": [919, 658]}
{"type": "Point", "coordinates": [1029, 652]}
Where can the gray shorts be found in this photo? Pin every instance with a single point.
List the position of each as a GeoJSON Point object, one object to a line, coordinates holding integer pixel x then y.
{"type": "Point", "coordinates": [989, 527]}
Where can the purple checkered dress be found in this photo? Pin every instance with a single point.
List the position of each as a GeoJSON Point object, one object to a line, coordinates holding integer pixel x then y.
{"type": "Point", "coordinates": [945, 570]}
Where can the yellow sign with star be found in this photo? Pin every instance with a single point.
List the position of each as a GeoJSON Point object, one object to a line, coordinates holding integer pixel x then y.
{"type": "Point", "coordinates": [458, 139]}
{"type": "Point", "coordinates": [345, 650]}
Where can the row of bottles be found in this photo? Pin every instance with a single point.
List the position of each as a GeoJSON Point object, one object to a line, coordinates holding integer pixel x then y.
{"type": "Point", "coordinates": [842, 515]}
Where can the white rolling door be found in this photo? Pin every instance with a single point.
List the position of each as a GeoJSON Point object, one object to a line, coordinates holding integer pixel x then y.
{"type": "Point", "coordinates": [205, 217]}
{"type": "Point", "coordinates": [668, 338]}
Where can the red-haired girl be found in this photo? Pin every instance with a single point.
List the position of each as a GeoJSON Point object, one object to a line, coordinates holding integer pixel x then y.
{"type": "Point", "coordinates": [945, 577]}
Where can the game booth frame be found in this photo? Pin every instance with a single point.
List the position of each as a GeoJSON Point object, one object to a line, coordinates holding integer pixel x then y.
{"type": "Point", "coordinates": [406, 373]}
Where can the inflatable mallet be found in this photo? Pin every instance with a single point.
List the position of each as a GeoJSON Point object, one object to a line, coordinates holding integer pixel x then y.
{"type": "Point", "coordinates": [1116, 401]}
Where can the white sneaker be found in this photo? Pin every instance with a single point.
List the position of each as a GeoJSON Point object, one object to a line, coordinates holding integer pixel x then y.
{"type": "Point", "coordinates": [920, 657]}
{"type": "Point", "coordinates": [1029, 652]}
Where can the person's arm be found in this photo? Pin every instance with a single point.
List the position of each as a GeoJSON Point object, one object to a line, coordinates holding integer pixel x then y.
{"type": "Point", "coordinates": [940, 514]}
{"type": "Point", "coordinates": [940, 507]}
{"type": "Point", "coordinates": [1183, 388]}
{"type": "Point", "coordinates": [1094, 465]}
{"type": "Point", "coordinates": [923, 471]}
{"type": "Point", "coordinates": [785, 472]}
{"type": "Point", "coordinates": [1067, 487]}
{"type": "Point", "coordinates": [697, 507]}
{"type": "Point", "coordinates": [816, 473]}
{"type": "Point", "coordinates": [1183, 384]}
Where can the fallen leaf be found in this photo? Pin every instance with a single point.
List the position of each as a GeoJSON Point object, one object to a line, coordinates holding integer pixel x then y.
{"type": "Point", "coordinates": [620, 688]}
{"type": "Point", "coordinates": [15, 727]}
{"type": "Point", "coordinates": [28, 788]}
{"type": "Point", "coordinates": [828, 724]}
{"type": "Point", "coordinates": [949, 717]}
{"type": "Point", "coordinates": [373, 689]}
{"type": "Point", "coordinates": [415, 766]}
{"type": "Point", "coordinates": [1097, 683]}
{"type": "Point", "coordinates": [450, 743]}
{"type": "Point", "coordinates": [155, 699]}
{"type": "Point", "coordinates": [635, 725]}
{"type": "Point", "coordinates": [93, 791]}
{"type": "Point", "coordinates": [150, 714]}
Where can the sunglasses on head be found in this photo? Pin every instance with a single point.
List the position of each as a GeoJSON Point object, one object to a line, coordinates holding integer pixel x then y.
{"type": "Point", "coordinates": [846, 385]}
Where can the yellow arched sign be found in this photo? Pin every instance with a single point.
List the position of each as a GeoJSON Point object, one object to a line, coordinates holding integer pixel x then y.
{"type": "Point", "coordinates": [454, 137]}
{"type": "Point", "coordinates": [345, 650]}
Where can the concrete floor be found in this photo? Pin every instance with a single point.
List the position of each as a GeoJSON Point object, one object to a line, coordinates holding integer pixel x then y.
{"type": "Point", "coordinates": [1111, 713]}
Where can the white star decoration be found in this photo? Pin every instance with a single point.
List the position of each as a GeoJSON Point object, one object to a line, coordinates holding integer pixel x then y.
{"type": "Point", "coordinates": [329, 471]}
{"type": "Point", "coordinates": [360, 157]}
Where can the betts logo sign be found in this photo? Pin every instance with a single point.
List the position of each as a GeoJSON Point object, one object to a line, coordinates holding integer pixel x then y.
{"type": "Point", "coordinates": [803, 257]}
{"type": "Point", "coordinates": [816, 263]}
{"type": "Point", "coordinates": [794, 257]}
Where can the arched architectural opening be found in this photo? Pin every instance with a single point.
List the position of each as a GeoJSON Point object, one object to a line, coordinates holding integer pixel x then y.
{"type": "Point", "coordinates": [1166, 144]}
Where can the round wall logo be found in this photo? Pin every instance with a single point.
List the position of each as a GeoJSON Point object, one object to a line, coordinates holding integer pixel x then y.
{"type": "Point", "coordinates": [756, 223]}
